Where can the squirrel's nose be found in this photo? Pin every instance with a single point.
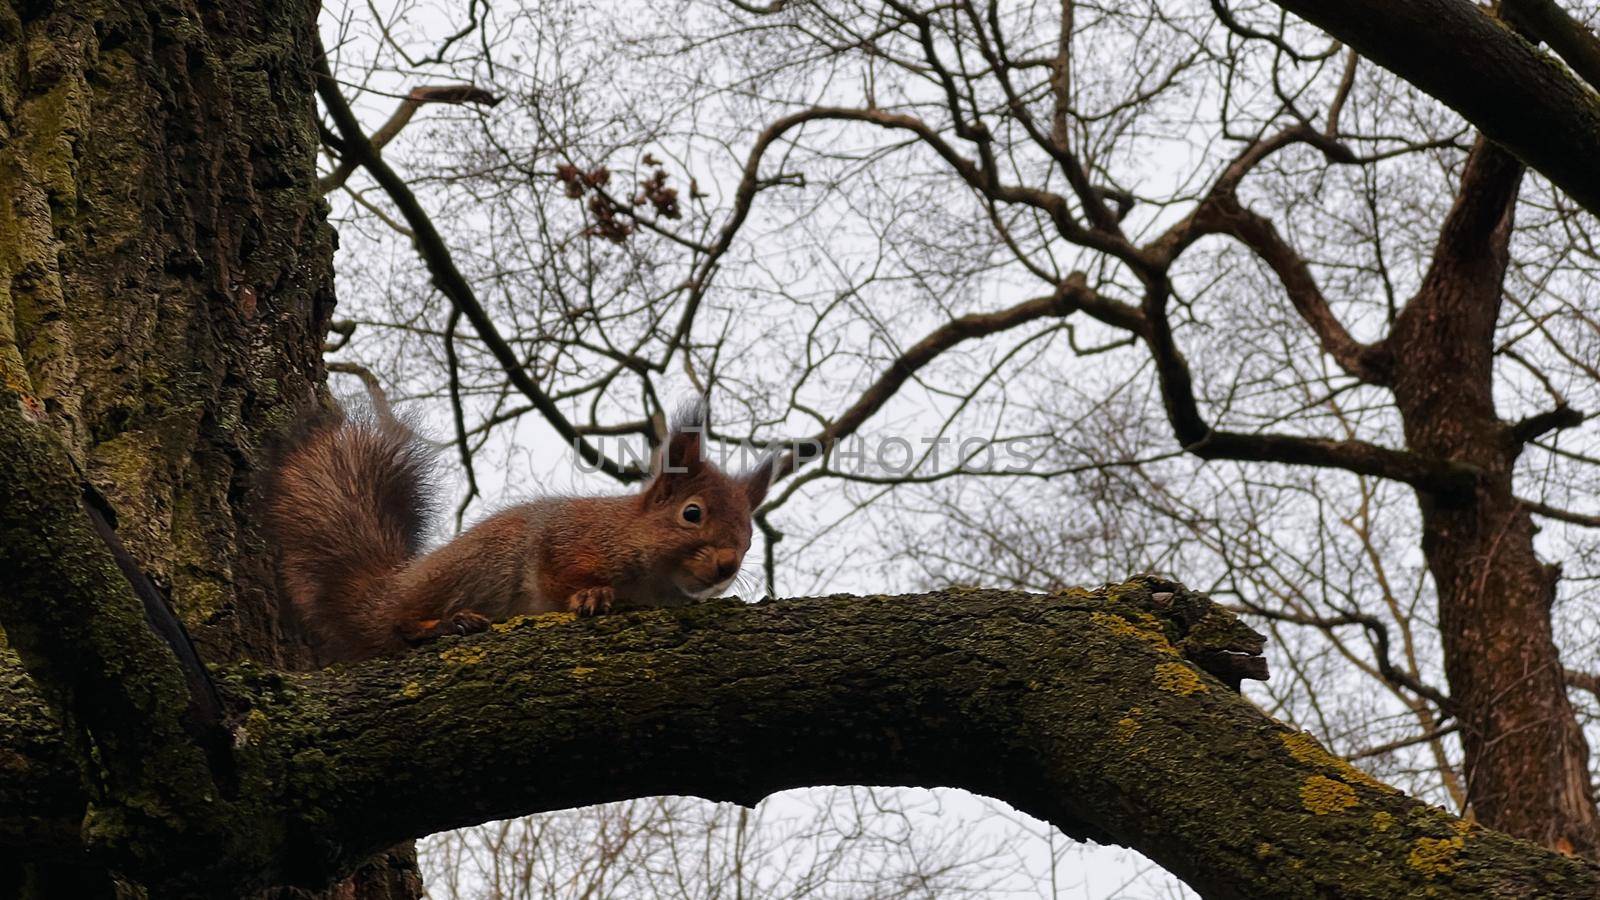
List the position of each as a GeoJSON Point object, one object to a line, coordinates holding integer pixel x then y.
{"type": "Point", "coordinates": [727, 564]}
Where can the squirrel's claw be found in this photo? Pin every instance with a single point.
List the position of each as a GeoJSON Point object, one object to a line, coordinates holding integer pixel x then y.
{"type": "Point", "coordinates": [464, 622]}
{"type": "Point", "coordinates": [469, 622]}
{"type": "Point", "coordinates": [591, 601]}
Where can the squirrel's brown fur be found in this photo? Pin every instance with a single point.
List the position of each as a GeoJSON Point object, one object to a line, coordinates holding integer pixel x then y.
{"type": "Point", "coordinates": [350, 506]}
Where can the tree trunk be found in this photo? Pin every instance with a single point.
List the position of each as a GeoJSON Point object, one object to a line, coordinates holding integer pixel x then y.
{"type": "Point", "coordinates": [1526, 758]}
{"type": "Point", "coordinates": [166, 280]}
{"type": "Point", "coordinates": [165, 273]}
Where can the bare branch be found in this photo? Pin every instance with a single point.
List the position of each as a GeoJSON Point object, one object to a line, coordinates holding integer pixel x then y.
{"type": "Point", "coordinates": [455, 94]}
{"type": "Point", "coordinates": [1071, 296]}
{"type": "Point", "coordinates": [449, 280]}
{"type": "Point", "coordinates": [1561, 515]}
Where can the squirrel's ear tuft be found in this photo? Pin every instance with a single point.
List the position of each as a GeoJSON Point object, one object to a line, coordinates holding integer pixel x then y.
{"type": "Point", "coordinates": [757, 480]}
{"type": "Point", "coordinates": [694, 416]}
{"type": "Point", "coordinates": [683, 451]}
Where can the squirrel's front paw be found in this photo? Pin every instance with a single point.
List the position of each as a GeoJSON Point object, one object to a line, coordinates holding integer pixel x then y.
{"type": "Point", "coordinates": [591, 601]}
{"type": "Point", "coordinates": [467, 622]}
{"type": "Point", "coordinates": [464, 622]}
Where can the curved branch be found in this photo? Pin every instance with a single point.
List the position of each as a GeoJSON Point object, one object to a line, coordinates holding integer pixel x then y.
{"type": "Point", "coordinates": [1440, 477]}
{"type": "Point", "coordinates": [1225, 16]}
{"type": "Point", "coordinates": [1371, 363]}
{"type": "Point", "coordinates": [1072, 295]}
{"type": "Point", "coordinates": [1095, 712]}
{"type": "Point", "coordinates": [982, 179]}
{"type": "Point", "coordinates": [1379, 633]}
{"type": "Point", "coordinates": [1220, 212]}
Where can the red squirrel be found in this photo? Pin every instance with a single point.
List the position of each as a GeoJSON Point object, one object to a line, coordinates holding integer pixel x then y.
{"type": "Point", "coordinates": [350, 506]}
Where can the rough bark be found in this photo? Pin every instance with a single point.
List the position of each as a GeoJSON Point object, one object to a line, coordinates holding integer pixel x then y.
{"type": "Point", "coordinates": [165, 285]}
{"type": "Point", "coordinates": [1086, 709]}
{"type": "Point", "coordinates": [165, 271]}
{"type": "Point", "coordinates": [164, 288]}
{"type": "Point", "coordinates": [1526, 759]}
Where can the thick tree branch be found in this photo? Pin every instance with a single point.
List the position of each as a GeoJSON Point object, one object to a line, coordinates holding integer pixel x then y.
{"type": "Point", "coordinates": [1360, 457]}
{"type": "Point", "coordinates": [1452, 49]}
{"type": "Point", "coordinates": [1534, 426]}
{"type": "Point", "coordinates": [1546, 21]}
{"type": "Point", "coordinates": [1088, 710]}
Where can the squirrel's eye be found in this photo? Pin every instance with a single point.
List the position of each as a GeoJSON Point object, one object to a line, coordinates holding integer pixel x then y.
{"type": "Point", "coordinates": [692, 513]}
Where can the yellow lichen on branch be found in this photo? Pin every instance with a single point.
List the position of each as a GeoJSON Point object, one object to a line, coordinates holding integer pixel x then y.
{"type": "Point", "coordinates": [1437, 856]}
{"type": "Point", "coordinates": [1322, 795]}
{"type": "Point", "coordinates": [1304, 748]}
{"type": "Point", "coordinates": [1178, 678]}
{"type": "Point", "coordinates": [1150, 634]}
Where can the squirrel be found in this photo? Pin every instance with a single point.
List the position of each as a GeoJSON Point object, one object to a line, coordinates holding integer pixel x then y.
{"type": "Point", "coordinates": [350, 504]}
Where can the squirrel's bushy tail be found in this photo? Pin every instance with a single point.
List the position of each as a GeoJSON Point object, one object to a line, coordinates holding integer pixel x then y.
{"type": "Point", "coordinates": [349, 507]}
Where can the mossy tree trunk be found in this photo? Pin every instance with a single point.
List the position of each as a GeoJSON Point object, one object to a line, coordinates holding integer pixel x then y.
{"type": "Point", "coordinates": [165, 273]}
{"type": "Point", "coordinates": [165, 277]}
